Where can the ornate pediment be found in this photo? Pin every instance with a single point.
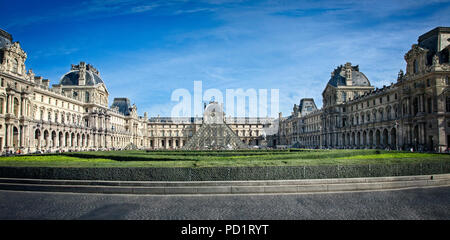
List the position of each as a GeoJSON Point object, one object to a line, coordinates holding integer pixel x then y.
{"type": "Point", "coordinates": [415, 52]}
{"type": "Point", "coordinates": [15, 48]}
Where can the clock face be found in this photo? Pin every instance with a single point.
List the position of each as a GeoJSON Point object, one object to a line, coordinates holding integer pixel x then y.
{"type": "Point", "coordinates": [213, 114]}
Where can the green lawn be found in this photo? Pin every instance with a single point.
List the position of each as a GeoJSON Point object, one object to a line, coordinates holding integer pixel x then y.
{"type": "Point", "coordinates": [221, 158]}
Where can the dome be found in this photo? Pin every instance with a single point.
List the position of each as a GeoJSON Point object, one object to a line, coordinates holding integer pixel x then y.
{"type": "Point", "coordinates": [338, 77]}
{"type": "Point", "coordinates": [91, 76]}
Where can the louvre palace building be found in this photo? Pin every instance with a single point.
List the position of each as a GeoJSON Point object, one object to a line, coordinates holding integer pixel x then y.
{"type": "Point", "coordinates": [411, 113]}
{"type": "Point", "coordinates": [75, 115]}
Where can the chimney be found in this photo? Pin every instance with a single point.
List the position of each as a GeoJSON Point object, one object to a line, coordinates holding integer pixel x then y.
{"type": "Point", "coordinates": [46, 83]}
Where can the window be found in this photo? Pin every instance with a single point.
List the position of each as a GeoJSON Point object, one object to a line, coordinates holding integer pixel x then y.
{"type": "Point", "coordinates": [415, 66]}
{"type": "Point", "coordinates": [428, 83]}
{"type": "Point", "coordinates": [429, 106]}
{"type": "Point", "coordinates": [15, 67]}
{"type": "Point", "coordinates": [381, 100]}
{"type": "Point", "coordinates": [344, 96]}
{"type": "Point", "coordinates": [2, 82]}
{"type": "Point", "coordinates": [447, 104]}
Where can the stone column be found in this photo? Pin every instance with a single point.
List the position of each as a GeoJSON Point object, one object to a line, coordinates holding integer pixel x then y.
{"type": "Point", "coordinates": [10, 104]}
{"type": "Point", "coordinates": [4, 106]}
{"type": "Point", "coordinates": [7, 126]}
{"type": "Point", "coordinates": [21, 111]}
{"type": "Point", "coordinates": [22, 136]}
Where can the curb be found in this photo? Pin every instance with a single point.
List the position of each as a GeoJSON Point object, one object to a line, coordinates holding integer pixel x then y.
{"type": "Point", "coordinates": [224, 187]}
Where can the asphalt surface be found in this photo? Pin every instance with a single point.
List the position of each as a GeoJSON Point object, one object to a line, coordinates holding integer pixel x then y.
{"type": "Point", "coordinates": [419, 203]}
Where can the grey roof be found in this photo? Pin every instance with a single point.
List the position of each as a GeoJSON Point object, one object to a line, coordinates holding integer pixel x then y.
{"type": "Point", "coordinates": [5, 39]}
{"type": "Point", "coordinates": [358, 78]}
{"type": "Point", "coordinates": [123, 104]}
{"type": "Point", "coordinates": [71, 78]}
{"type": "Point", "coordinates": [307, 105]}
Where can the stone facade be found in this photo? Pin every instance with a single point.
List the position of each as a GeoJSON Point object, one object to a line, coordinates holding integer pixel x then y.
{"type": "Point", "coordinates": [413, 112]}
{"type": "Point", "coordinates": [74, 115]}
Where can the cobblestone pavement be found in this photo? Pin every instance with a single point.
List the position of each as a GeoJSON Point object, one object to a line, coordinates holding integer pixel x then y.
{"type": "Point", "coordinates": [420, 203]}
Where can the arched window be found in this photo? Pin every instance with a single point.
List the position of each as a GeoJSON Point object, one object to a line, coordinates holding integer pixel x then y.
{"type": "Point", "coordinates": [15, 67]}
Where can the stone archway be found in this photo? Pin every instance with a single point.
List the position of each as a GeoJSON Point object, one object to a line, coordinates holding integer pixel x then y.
{"type": "Point", "coordinates": [66, 141]}
{"type": "Point", "coordinates": [72, 140]}
{"type": "Point", "coordinates": [371, 138]}
{"type": "Point", "coordinates": [353, 139]}
{"type": "Point", "coordinates": [53, 139]}
{"type": "Point", "coordinates": [377, 139]}
{"type": "Point", "coordinates": [15, 137]}
{"type": "Point", "coordinates": [358, 139]}
{"type": "Point", "coordinates": [46, 137]}
{"type": "Point", "coordinates": [393, 138]}
{"type": "Point", "coordinates": [364, 139]}
{"type": "Point", "coordinates": [61, 139]}
{"type": "Point", "coordinates": [385, 138]}
{"type": "Point", "coordinates": [37, 138]}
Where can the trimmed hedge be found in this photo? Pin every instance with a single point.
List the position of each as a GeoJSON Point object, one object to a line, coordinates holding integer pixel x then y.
{"type": "Point", "coordinates": [227, 173]}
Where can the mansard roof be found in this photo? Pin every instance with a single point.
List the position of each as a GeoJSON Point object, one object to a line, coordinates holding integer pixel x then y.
{"type": "Point", "coordinates": [5, 39]}
{"type": "Point", "coordinates": [123, 104]}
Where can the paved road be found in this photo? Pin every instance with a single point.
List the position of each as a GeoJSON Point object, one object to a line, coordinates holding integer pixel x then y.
{"type": "Point", "coordinates": [422, 203]}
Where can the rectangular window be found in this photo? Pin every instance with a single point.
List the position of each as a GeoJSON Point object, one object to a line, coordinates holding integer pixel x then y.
{"type": "Point", "coordinates": [447, 104]}
{"type": "Point", "coordinates": [429, 105]}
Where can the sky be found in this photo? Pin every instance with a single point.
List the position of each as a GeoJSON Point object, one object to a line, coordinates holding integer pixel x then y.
{"type": "Point", "coordinates": [145, 50]}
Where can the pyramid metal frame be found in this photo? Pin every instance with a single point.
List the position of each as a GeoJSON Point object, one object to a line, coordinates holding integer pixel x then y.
{"type": "Point", "coordinates": [215, 136]}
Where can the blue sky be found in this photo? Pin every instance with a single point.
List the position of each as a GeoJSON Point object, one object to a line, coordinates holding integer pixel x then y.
{"type": "Point", "coordinates": [145, 50]}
